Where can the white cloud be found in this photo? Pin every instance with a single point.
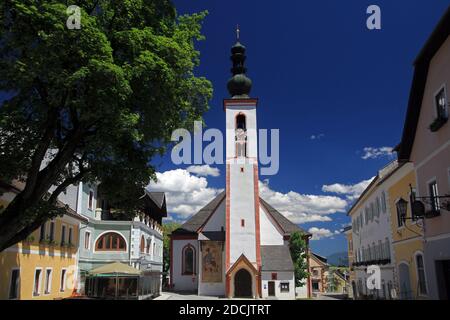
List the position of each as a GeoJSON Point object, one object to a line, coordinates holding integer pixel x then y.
{"type": "Point", "coordinates": [322, 233]}
{"type": "Point", "coordinates": [301, 208]}
{"type": "Point", "coordinates": [317, 136]}
{"type": "Point", "coordinates": [204, 171]}
{"type": "Point", "coordinates": [375, 153]}
{"type": "Point", "coordinates": [352, 192]}
{"type": "Point", "coordinates": [186, 194]}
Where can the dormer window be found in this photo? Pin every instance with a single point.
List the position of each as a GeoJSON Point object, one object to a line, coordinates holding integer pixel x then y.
{"type": "Point", "coordinates": [441, 104]}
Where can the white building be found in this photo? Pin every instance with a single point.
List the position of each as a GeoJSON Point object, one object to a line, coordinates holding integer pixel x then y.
{"type": "Point", "coordinates": [236, 246]}
{"type": "Point", "coordinates": [372, 235]}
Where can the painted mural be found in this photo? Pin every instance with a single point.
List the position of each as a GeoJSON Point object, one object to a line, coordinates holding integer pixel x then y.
{"type": "Point", "coordinates": [212, 262]}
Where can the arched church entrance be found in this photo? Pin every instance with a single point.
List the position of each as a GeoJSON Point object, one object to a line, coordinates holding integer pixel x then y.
{"type": "Point", "coordinates": [243, 284]}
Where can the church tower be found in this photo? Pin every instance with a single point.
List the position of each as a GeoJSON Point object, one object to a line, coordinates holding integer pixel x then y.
{"type": "Point", "coordinates": [242, 193]}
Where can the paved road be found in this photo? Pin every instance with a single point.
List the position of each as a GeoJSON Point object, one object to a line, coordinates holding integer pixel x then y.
{"type": "Point", "coordinates": [180, 296]}
{"type": "Point", "coordinates": [191, 296]}
{"type": "Point", "coordinates": [329, 296]}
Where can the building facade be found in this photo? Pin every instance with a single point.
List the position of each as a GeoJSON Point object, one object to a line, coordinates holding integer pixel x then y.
{"type": "Point", "coordinates": [372, 237]}
{"type": "Point", "coordinates": [318, 269]}
{"type": "Point", "coordinates": [106, 237]}
{"type": "Point", "coordinates": [352, 290]}
{"type": "Point", "coordinates": [407, 239]}
{"type": "Point", "coordinates": [426, 144]}
{"type": "Point", "coordinates": [236, 246]}
{"type": "Point", "coordinates": [53, 262]}
{"type": "Point", "coordinates": [43, 266]}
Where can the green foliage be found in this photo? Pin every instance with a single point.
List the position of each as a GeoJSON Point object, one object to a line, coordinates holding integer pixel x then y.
{"type": "Point", "coordinates": [168, 228]}
{"type": "Point", "coordinates": [105, 98]}
{"type": "Point", "coordinates": [299, 254]}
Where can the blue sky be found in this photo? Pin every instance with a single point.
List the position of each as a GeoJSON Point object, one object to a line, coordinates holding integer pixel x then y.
{"type": "Point", "coordinates": [317, 71]}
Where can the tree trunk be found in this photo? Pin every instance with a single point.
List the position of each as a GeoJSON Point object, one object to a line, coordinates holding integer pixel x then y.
{"type": "Point", "coordinates": [17, 221]}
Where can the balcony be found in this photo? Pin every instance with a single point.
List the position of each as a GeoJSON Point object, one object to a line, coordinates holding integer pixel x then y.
{"type": "Point", "coordinates": [367, 263]}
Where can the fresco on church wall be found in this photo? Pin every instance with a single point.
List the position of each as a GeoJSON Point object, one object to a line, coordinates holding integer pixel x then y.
{"type": "Point", "coordinates": [212, 262]}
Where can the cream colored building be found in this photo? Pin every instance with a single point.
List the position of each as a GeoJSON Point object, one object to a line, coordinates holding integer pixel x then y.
{"type": "Point", "coordinates": [426, 144]}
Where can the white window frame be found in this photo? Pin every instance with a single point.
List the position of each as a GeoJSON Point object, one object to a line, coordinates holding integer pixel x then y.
{"type": "Point", "coordinates": [443, 86]}
{"type": "Point", "coordinates": [288, 287]}
{"type": "Point", "coordinates": [63, 226]}
{"type": "Point", "coordinates": [384, 202]}
{"type": "Point", "coordinates": [45, 226]}
{"type": "Point", "coordinates": [49, 281]}
{"type": "Point", "coordinates": [429, 182]}
{"type": "Point", "coordinates": [70, 236]}
{"type": "Point", "coordinates": [51, 235]}
{"type": "Point", "coordinates": [62, 284]}
{"type": "Point", "coordinates": [396, 215]}
{"type": "Point", "coordinates": [109, 252]}
{"type": "Point", "coordinates": [9, 286]}
{"type": "Point", "coordinates": [89, 240]}
{"type": "Point", "coordinates": [91, 205]}
{"type": "Point", "coordinates": [38, 293]}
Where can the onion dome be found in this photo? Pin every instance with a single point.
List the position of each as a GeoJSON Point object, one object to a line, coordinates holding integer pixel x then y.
{"type": "Point", "coordinates": [239, 86]}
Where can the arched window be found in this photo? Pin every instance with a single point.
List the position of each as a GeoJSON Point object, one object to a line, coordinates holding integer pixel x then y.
{"type": "Point", "coordinates": [421, 274]}
{"type": "Point", "coordinates": [142, 245]}
{"type": "Point", "coordinates": [241, 136]}
{"type": "Point", "coordinates": [188, 265]}
{"type": "Point", "coordinates": [241, 122]}
{"type": "Point", "coordinates": [154, 248]}
{"type": "Point", "coordinates": [111, 241]}
{"type": "Point", "coordinates": [149, 241]}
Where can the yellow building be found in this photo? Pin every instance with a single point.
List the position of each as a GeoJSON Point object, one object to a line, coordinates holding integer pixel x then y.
{"type": "Point", "coordinates": [407, 240]}
{"type": "Point", "coordinates": [44, 266]}
{"type": "Point", "coordinates": [351, 276]}
{"type": "Point", "coordinates": [338, 281]}
{"type": "Point", "coordinates": [318, 270]}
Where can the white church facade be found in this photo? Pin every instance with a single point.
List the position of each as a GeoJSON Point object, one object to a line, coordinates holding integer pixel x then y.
{"type": "Point", "coordinates": [238, 244]}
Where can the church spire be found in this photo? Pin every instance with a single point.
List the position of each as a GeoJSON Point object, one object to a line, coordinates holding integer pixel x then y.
{"type": "Point", "coordinates": [239, 86]}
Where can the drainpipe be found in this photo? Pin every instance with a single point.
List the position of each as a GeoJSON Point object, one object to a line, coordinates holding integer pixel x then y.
{"type": "Point", "coordinates": [129, 243]}
{"type": "Point", "coordinates": [79, 197]}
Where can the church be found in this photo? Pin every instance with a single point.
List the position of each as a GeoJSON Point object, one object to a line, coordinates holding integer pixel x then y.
{"type": "Point", "coordinates": [237, 246]}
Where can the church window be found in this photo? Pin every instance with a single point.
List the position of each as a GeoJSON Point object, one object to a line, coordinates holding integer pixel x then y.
{"type": "Point", "coordinates": [111, 241]}
{"type": "Point", "coordinates": [241, 136]}
{"type": "Point", "coordinates": [188, 260]}
{"type": "Point", "coordinates": [241, 123]}
{"type": "Point", "coordinates": [242, 222]}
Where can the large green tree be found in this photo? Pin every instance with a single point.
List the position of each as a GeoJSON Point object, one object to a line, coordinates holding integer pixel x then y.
{"type": "Point", "coordinates": [92, 104]}
{"type": "Point", "coordinates": [299, 253]}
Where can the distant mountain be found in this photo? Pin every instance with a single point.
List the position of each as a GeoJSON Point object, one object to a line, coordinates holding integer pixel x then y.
{"type": "Point", "coordinates": [338, 259]}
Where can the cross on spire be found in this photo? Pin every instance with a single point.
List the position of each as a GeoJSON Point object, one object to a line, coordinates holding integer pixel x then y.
{"type": "Point", "coordinates": [238, 32]}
